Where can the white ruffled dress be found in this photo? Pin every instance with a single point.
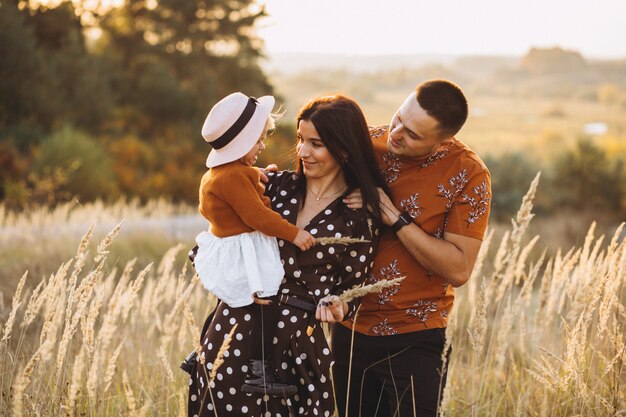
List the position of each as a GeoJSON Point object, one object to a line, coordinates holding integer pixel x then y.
{"type": "Point", "coordinates": [235, 268]}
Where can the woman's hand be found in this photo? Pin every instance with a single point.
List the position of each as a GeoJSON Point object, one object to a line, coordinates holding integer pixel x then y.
{"type": "Point", "coordinates": [331, 309]}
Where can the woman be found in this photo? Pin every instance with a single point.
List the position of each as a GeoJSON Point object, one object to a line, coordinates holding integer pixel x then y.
{"type": "Point", "coordinates": [335, 156]}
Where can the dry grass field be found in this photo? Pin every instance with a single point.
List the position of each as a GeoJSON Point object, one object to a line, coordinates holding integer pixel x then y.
{"type": "Point", "coordinates": [532, 334]}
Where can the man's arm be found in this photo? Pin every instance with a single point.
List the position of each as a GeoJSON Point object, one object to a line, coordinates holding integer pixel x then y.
{"type": "Point", "coordinates": [452, 257]}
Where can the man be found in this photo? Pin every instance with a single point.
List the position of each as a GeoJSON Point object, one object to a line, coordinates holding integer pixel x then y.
{"type": "Point", "coordinates": [437, 215]}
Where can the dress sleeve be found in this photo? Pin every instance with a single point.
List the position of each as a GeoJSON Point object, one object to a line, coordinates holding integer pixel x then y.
{"type": "Point", "coordinates": [469, 213]}
{"type": "Point", "coordinates": [356, 262]}
{"type": "Point", "coordinates": [241, 193]}
{"type": "Point", "coordinates": [278, 180]}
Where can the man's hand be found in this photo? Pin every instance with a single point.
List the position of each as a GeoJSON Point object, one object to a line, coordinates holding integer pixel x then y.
{"type": "Point", "coordinates": [304, 240]}
{"type": "Point", "coordinates": [264, 171]}
{"type": "Point", "coordinates": [388, 211]}
{"type": "Point", "coordinates": [331, 309]}
{"type": "Point", "coordinates": [354, 200]}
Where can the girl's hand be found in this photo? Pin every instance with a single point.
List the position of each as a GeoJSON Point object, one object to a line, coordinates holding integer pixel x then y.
{"type": "Point", "coordinates": [304, 240]}
{"type": "Point", "coordinates": [331, 310]}
{"type": "Point", "coordinates": [262, 301]}
{"type": "Point", "coordinates": [264, 171]}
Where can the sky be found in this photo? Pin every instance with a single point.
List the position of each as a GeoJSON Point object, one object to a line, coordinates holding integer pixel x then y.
{"type": "Point", "coordinates": [596, 28]}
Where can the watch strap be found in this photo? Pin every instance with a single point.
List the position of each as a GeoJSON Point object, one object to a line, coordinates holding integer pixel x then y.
{"type": "Point", "coordinates": [404, 219]}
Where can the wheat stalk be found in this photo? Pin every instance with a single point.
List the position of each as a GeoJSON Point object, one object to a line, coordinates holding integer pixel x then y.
{"type": "Point", "coordinates": [339, 240]}
{"type": "Point", "coordinates": [8, 326]}
{"type": "Point", "coordinates": [166, 365]}
{"type": "Point", "coordinates": [110, 371]}
{"type": "Point", "coordinates": [23, 381]}
{"type": "Point", "coordinates": [77, 376]}
{"type": "Point", "coordinates": [128, 392]}
{"type": "Point", "coordinates": [195, 331]}
{"type": "Point", "coordinates": [219, 359]}
{"type": "Point", "coordinates": [106, 242]}
{"type": "Point", "coordinates": [361, 290]}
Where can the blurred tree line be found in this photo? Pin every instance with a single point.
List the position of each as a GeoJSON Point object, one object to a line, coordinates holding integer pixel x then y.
{"type": "Point", "coordinates": [101, 103]}
{"type": "Point", "coordinates": [97, 103]}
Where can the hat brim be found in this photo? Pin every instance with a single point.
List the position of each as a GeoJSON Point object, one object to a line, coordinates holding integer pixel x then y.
{"type": "Point", "coordinates": [245, 140]}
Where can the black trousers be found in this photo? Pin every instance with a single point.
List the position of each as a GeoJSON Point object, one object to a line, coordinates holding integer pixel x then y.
{"type": "Point", "coordinates": [399, 375]}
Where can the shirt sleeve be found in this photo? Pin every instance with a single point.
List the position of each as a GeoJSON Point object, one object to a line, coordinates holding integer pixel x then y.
{"type": "Point", "coordinates": [241, 193]}
{"type": "Point", "coordinates": [356, 262]}
{"type": "Point", "coordinates": [469, 213]}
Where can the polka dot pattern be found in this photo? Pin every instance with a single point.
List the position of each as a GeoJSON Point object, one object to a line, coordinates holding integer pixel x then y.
{"type": "Point", "coordinates": [306, 361]}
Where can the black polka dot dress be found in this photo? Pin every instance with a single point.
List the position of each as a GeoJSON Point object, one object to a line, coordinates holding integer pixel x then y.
{"type": "Point", "coordinates": [302, 360]}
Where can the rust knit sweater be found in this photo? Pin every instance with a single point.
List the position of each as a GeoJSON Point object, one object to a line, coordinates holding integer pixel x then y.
{"type": "Point", "coordinates": [231, 198]}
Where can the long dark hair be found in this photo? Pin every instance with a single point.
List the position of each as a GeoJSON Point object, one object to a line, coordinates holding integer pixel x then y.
{"type": "Point", "coordinates": [342, 127]}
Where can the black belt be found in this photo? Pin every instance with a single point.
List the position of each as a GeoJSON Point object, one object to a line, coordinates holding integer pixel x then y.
{"type": "Point", "coordinates": [297, 303]}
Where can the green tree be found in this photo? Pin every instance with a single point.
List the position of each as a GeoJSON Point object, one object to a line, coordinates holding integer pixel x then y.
{"type": "Point", "coordinates": [81, 93]}
{"type": "Point", "coordinates": [180, 56]}
{"type": "Point", "coordinates": [25, 111]}
{"type": "Point", "coordinates": [84, 158]}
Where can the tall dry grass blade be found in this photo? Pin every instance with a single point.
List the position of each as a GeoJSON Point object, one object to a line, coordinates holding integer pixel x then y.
{"type": "Point", "coordinates": [166, 365]}
{"type": "Point", "coordinates": [128, 392]}
{"type": "Point", "coordinates": [356, 317]}
{"type": "Point", "coordinates": [82, 295]}
{"type": "Point", "coordinates": [339, 241]}
{"type": "Point", "coordinates": [478, 322]}
{"type": "Point", "coordinates": [219, 359]}
{"type": "Point", "coordinates": [112, 366]}
{"type": "Point", "coordinates": [17, 302]}
{"type": "Point", "coordinates": [34, 304]}
{"type": "Point", "coordinates": [167, 261]}
{"type": "Point", "coordinates": [88, 324]}
{"type": "Point", "coordinates": [524, 215]}
{"type": "Point", "coordinates": [102, 251]}
{"type": "Point", "coordinates": [478, 266]}
{"type": "Point", "coordinates": [361, 290]}
{"type": "Point", "coordinates": [78, 371]}
{"type": "Point", "coordinates": [137, 283]}
{"type": "Point", "coordinates": [22, 382]}
{"type": "Point", "coordinates": [521, 260]}
{"type": "Point", "coordinates": [195, 330]}
{"type": "Point", "coordinates": [182, 405]}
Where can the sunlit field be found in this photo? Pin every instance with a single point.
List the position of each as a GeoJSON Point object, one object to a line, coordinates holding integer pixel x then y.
{"type": "Point", "coordinates": [541, 127]}
{"type": "Point", "coordinates": [532, 334]}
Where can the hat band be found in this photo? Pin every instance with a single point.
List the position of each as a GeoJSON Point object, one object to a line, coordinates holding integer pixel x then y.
{"type": "Point", "coordinates": [237, 127]}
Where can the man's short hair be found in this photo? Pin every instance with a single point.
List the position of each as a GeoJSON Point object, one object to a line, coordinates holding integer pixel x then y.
{"type": "Point", "coordinates": [445, 102]}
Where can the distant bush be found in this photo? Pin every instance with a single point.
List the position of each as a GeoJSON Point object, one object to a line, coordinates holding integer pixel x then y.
{"type": "Point", "coordinates": [510, 175]}
{"type": "Point", "coordinates": [586, 178]}
{"type": "Point", "coordinates": [89, 165]}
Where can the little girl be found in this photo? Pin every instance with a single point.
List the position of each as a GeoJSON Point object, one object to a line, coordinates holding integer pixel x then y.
{"type": "Point", "coordinates": [238, 258]}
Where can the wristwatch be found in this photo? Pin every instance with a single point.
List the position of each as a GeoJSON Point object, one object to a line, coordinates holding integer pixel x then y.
{"type": "Point", "coordinates": [404, 219]}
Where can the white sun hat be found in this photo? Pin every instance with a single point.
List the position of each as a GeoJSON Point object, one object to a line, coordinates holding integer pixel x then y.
{"type": "Point", "coordinates": [234, 125]}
